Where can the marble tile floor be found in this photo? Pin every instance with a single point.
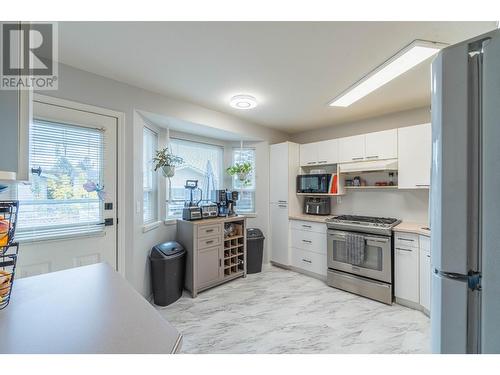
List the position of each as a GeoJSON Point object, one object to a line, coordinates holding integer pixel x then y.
{"type": "Point", "coordinates": [280, 311]}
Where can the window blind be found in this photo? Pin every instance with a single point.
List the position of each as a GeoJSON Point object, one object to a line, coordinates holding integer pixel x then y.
{"type": "Point", "coordinates": [63, 158]}
{"type": "Point", "coordinates": [150, 185]}
{"type": "Point", "coordinates": [246, 203]}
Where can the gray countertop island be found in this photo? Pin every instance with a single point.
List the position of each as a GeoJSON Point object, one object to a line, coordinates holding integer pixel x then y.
{"type": "Point", "coordinates": [89, 309]}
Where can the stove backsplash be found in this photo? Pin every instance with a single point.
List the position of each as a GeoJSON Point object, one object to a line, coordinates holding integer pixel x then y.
{"type": "Point", "coordinates": [408, 205]}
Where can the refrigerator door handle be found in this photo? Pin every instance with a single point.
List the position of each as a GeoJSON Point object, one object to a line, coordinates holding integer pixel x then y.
{"type": "Point", "coordinates": [473, 279]}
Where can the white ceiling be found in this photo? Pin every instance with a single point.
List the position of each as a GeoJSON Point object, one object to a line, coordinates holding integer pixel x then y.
{"type": "Point", "coordinates": [293, 68]}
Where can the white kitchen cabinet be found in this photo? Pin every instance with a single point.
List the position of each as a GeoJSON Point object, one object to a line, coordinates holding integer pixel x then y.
{"type": "Point", "coordinates": [414, 156]}
{"type": "Point", "coordinates": [352, 149]}
{"type": "Point", "coordinates": [319, 153]}
{"type": "Point", "coordinates": [425, 272]}
{"type": "Point", "coordinates": [279, 173]}
{"type": "Point", "coordinates": [309, 261]}
{"type": "Point", "coordinates": [328, 152]}
{"type": "Point", "coordinates": [16, 115]}
{"type": "Point", "coordinates": [308, 246]}
{"type": "Point", "coordinates": [280, 252]}
{"type": "Point", "coordinates": [284, 163]}
{"type": "Point", "coordinates": [381, 145]}
{"type": "Point", "coordinates": [308, 154]}
{"type": "Point", "coordinates": [406, 270]}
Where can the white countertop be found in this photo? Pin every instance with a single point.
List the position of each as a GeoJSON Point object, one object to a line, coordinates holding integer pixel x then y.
{"type": "Point", "coordinates": [410, 227]}
{"type": "Point", "coordinates": [87, 310]}
{"type": "Point", "coordinates": [313, 218]}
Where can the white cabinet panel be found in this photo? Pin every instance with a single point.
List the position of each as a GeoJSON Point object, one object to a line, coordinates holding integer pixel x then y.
{"type": "Point", "coordinates": [308, 154]}
{"type": "Point", "coordinates": [309, 261]}
{"type": "Point", "coordinates": [425, 273]}
{"type": "Point", "coordinates": [279, 234]}
{"type": "Point", "coordinates": [311, 241]}
{"type": "Point", "coordinates": [209, 266]}
{"type": "Point", "coordinates": [381, 145]}
{"type": "Point", "coordinates": [351, 149]}
{"type": "Point", "coordinates": [308, 226]}
{"type": "Point", "coordinates": [406, 273]}
{"type": "Point", "coordinates": [328, 152]}
{"type": "Point", "coordinates": [278, 179]}
{"type": "Point", "coordinates": [414, 156]}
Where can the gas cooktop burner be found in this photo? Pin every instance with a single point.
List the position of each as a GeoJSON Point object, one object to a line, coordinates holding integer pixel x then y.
{"type": "Point", "coordinates": [369, 224]}
{"type": "Point", "coordinates": [366, 219]}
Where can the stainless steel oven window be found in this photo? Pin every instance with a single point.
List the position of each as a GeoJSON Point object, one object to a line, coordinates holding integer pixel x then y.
{"type": "Point", "coordinates": [373, 255]}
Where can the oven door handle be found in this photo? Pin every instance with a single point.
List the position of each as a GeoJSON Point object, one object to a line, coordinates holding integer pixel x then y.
{"type": "Point", "coordinates": [373, 239]}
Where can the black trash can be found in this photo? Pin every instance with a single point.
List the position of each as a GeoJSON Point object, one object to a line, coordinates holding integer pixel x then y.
{"type": "Point", "coordinates": [168, 265]}
{"type": "Point", "coordinates": [255, 248]}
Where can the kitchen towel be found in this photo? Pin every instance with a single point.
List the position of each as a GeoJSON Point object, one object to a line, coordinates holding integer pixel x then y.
{"type": "Point", "coordinates": [355, 248]}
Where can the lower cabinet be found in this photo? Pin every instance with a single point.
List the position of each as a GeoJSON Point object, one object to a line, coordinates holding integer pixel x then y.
{"type": "Point", "coordinates": [309, 261]}
{"type": "Point", "coordinates": [425, 272]}
{"type": "Point", "coordinates": [406, 273]}
{"type": "Point", "coordinates": [412, 269]}
{"type": "Point", "coordinates": [308, 246]}
{"type": "Point", "coordinates": [209, 266]}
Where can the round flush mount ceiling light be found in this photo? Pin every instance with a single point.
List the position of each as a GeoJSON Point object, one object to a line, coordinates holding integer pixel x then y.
{"type": "Point", "coordinates": [243, 102]}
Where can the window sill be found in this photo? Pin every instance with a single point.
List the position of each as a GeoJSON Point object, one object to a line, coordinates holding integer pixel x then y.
{"type": "Point", "coordinates": [150, 226]}
{"type": "Point", "coordinates": [170, 221]}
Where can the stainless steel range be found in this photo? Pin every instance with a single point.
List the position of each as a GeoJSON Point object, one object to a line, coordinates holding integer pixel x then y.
{"type": "Point", "coordinates": [360, 255]}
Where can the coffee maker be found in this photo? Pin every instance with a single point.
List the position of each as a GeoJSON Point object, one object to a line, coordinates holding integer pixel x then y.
{"type": "Point", "coordinates": [191, 209]}
{"type": "Point", "coordinates": [226, 202]}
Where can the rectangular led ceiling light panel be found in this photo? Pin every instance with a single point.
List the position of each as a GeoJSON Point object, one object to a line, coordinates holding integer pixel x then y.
{"type": "Point", "coordinates": [410, 56]}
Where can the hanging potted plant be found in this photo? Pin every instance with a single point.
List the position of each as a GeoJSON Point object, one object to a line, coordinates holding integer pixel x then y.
{"type": "Point", "coordinates": [241, 170]}
{"type": "Point", "coordinates": [167, 162]}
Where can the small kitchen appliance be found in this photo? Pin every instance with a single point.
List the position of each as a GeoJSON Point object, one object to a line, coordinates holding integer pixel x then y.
{"type": "Point", "coordinates": [313, 183]}
{"type": "Point", "coordinates": [226, 201]}
{"type": "Point", "coordinates": [209, 210]}
{"type": "Point", "coordinates": [317, 205]}
{"type": "Point", "coordinates": [191, 209]}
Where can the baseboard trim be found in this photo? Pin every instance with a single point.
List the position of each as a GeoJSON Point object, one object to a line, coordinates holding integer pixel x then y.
{"type": "Point", "coordinates": [412, 305]}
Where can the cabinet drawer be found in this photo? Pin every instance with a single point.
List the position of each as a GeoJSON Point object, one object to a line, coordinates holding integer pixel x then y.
{"type": "Point", "coordinates": [311, 241]}
{"type": "Point", "coordinates": [402, 239]}
{"type": "Point", "coordinates": [308, 226]}
{"type": "Point", "coordinates": [203, 243]}
{"type": "Point", "coordinates": [309, 261]}
{"type": "Point", "coordinates": [209, 230]}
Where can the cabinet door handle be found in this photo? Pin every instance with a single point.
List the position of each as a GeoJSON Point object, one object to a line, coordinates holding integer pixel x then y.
{"type": "Point", "coordinates": [358, 158]}
{"type": "Point", "coordinates": [306, 226]}
{"type": "Point", "coordinates": [220, 262]}
{"type": "Point", "coordinates": [282, 205]}
{"type": "Point", "coordinates": [311, 162]}
{"type": "Point", "coordinates": [428, 256]}
{"type": "Point", "coordinates": [372, 157]}
{"type": "Point", "coordinates": [406, 239]}
{"type": "Point", "coordinates": [209, 242]}
{"type": "Point", "coordinates": [306, 241]}
{"type": "Point", "coordinates": [209, 230]}
{"type": "Point", "coordinates": [306, 260]}
{"type": "Point", "coordinates": [422, 185]}
{"type": "Point", "coordinates": [407, 250]}
{"type": "Point", "coordinates": [322, 162]}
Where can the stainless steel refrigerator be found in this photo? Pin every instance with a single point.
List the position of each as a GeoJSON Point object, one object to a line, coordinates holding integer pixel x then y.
{"type": "Point", "coordinates": [465, 197]}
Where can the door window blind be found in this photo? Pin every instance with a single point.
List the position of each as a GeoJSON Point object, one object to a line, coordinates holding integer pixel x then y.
{"type": "Point", "coordinates": [150, 182]}
{"type": "Point", "coordinates": [63, 158]}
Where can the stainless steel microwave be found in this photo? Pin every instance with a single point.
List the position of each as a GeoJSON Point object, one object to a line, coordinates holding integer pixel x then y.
{"type": "Point", "coordinates": [313, 183]}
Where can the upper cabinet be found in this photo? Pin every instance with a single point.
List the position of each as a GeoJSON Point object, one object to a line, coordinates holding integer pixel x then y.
{"type": "Point", "coordinates": [371, 146]}
{"type": "Point", "coordinates": [319, 153]}
{"type": "Point", "coordinates": [352, 149]}
{"type": "Point", "coordinates": [381, 145]}
{"type": "Point", "coordinates": [414, 154]}
{"type": "Point", "coordinates": [15, 110]}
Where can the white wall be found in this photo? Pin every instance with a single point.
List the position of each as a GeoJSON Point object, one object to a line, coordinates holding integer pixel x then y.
{"type": "Point", "coordinates": [410, 205]}
{"type": "Point", "coordinates": [84, 87]}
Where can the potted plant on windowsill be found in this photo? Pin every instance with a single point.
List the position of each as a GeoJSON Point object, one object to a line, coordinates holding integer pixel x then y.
{"type": "Point", "coordinates": [241, 170]}
{"type": "Point", "coordinates": [167, 162]}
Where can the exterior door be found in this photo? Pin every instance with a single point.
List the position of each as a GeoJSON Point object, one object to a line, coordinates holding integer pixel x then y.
{"type": "Point", "coordinates": [68, 214]}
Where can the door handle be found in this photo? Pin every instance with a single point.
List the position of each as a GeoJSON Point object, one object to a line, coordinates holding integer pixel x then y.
{"type": "Point", "coordinates": [306, 226]}
{"type": "Point", "coordinates": [322, 162]}
{"type": "Point", "coordinates": [306, 260]}
{"type": "Point", "coordinates": [311, 162]}
{"type": "Point", "coordinates": [372, 157]}
{"type": "Point", "coordinates": [306, 241]}
{"type": "Point", "coordinates": [407, 250]}
{"type": "Point", "coordinates": [360, 158]}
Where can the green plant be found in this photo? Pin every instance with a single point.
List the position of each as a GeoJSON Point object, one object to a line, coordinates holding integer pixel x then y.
{"type": "Point", "coordinates": [241, 170]}
{"type": "Point", "coordinates": [164, 158]}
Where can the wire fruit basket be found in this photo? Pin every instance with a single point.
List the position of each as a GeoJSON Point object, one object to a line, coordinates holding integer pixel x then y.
{"type": "Point", "coordinates": [8, 221]}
